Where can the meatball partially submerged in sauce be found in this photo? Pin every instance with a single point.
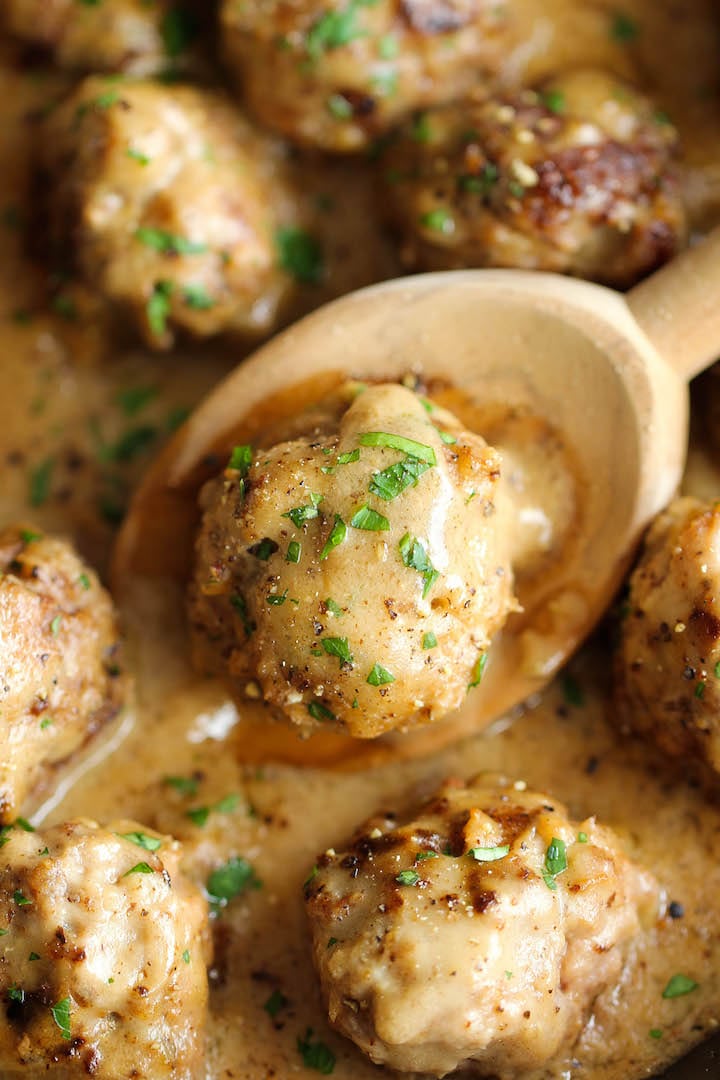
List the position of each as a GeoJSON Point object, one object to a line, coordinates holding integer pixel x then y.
{"type": "Point", "coordinates": [668, 661]}
{"type": "Point", "coordinates": [104, 950]}
{"type": "Point", "coordinates": [480, 931]}
{"type": "Point", "coordinates": [132, 36]}
{"type": "Point", "coordinates": [576, 178]}
{"type": "Point", "coordinates": [357, 575]}
{"type": "Point", "coordinates": [340, 74]}
{"type": "Point", "coordinates": [59, 660]}
{"type": "Point", "coordinates": [166, 201]}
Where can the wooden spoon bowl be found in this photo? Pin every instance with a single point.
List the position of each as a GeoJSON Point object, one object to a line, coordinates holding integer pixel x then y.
{"type": "Point", "coordinates": [570, 353]}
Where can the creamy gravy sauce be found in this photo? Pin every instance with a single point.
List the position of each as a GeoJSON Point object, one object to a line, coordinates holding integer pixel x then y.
{"type": "Point", "coordinates": [61, 422]}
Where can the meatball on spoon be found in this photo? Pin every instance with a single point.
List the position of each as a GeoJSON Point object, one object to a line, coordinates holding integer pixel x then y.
{"type": "Point", "coordinates": [585, 386]}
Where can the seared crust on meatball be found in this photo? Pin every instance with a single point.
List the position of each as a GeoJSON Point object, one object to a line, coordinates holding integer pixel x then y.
{"type": "Point", "coordinates": [167, 201]}
{"type": "Point", "coordinates": [132, 36]}
{"type": "Point", "coordinates": [340, 74]}
{"type": "Point", "coordinates": [357, 576]}
{"type": "Point", "coordinates": [480, 930]}
{"type": "Point", "coordinates": [666, 668]}
{"type": "Point", "coordinates": [59, 653]}
{"type": "Point", "coordinates": [576, 177]}
{"type": "Point", "coordinates": [104, 951]}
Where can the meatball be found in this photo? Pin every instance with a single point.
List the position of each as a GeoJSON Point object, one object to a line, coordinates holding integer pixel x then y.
{"type": "Point", "coordinates": [59, 654]}
{"type": "Point", "coordinates": [103, 969]}
{"type": "Point", "coordinates": [131, 36]}
{"type": "Point", "coordinates": [668, 660]}
{"type": "Point", "coordinates": [479, 931]}
{"type": "Point", "coordinates": [358, 576]}
{"type": "Point", "coordinates": [168, 203]}
{"type": "Point", "coordinates": [339, 75]}
{"type": "Point", "coordinates": [577, 177]}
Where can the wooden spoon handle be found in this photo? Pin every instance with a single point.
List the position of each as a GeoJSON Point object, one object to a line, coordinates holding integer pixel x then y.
{"type": "Point", "coordinates": [679, 307]}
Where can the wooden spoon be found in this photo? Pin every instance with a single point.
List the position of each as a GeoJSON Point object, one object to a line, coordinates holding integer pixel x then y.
{"type": "Point", "coordinates": [607, 372]}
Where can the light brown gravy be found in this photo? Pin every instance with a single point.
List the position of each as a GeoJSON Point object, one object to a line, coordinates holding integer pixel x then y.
{"type": "Point", "coordinates": [60, 422]}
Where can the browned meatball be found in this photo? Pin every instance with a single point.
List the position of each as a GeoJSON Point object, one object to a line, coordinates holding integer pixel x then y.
{"type": "Point", "coordinates": [357, 576]}
{"type": "Point", "coordinates": [478, 931]}
{"type": "Point", "coordinates": [168, 203]}
{"type": "Point", "coordinates": [667, 670]}
{"type": "Point", "coordinates": [577, 178]}
{"type": "Point", "coordinates": [104, 952]}
{"type": "Point", "coordinates": [59, 660]}
{"type": "Point", "coordinates": [132, 36]}
{"type": "Point", "coordinates": [340, 74]}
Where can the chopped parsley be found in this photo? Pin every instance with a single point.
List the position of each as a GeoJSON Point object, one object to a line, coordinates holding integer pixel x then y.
{"type": "Point", "coordinates": [264, 549]}
{"type": "Point", "coordinates": [277, 599]}
{"type": "Point", "coordinates": [392, 481]}
{"type": "Point", "coordinates": [415, 557]}
{"type": "Point", "coordinates": [370, 520]}
{"type": "Point", "coordinates": [200, 814]}
{"type": "Point", "coordinates": [337, 646]}
{"type": "Point", "coordinates": [333, 608]}
{"type": "Point", "coordinates": [139, 868]}
{"type": "Point", "coordinates": [16, 994]}
{"type": "Point", "coordinates": [336, 537]}
{"type": "Point", "coordinates": [239, 604]}
{"type": "Point", "coordinates": [149, 843]}
{"type": "Point", "coordinates": [40, 481]}
{"type": "Point", "coordinates": [20, 900]}
{"type": "Point", "coordinates": [177, 29]}
{"type": "Point", "coordinates": [34, 956]}
{"type": "Point", "coordinates": [655, 1033]}
{"type": "Point", "coordinates": [231, 879]}
{"type": "Point", "coordinates": [429, 640]}
{"type": "Point", "coordinates": [700, 689]}
{"type": "Point", "coordinates": [61, 1015]}
{"type": "Point", "coordinates": [420, 130]}
{"type": "Point", "coordinates": [572, 691]}
{"type": "Point", "coordinates": [168, 243]}
{"type": "Point", "coordinates": [316, 1055]}
{"type": "Point", "coordinates": [135, 398]}
{"type": "Point", "coordinates": [55, 625]}
{"type": "Point", "coordinates": [293, 552]}
{"type": "Point", "coordinates": [27, 536]}
{"type": "Point", "coordinates": [624, 29]}
{"type": "Point", "coordinates": [678, 986]}
{"type": "Point", "coordinates": [388, 47]}
{"type": "Point", "coordinates": [45, 723]}
{"type": "Point", "coordinates": [582, 838]}
{"type": "Point", "coordinates": [407, 877]}
{"type": "Point", "coordinates": [422, 855]}
{"type": "Point", "coordinates": [554, 101]}
{"type": "Point", "coordinates": [339, 107]}
{"type": "Point", "coordinates": [300, 514]}
{"type": "Point", "coordinates": [399, 442]}
{"type": "Point", "coordinates": [555, 862]}
{"type": "Point", "coordinates": [24, 824]}
{"type": "Point", "coordinates": [438, 220]}
{"type": "Point", "coordinates": [489, 854]}
{"type": "Point", "coordinates": [379, 676]}
{"type": "Point", "coordinates": [131, 445]}
{"type": "Point", "coordinates": [186, 956]}
{"type": "Point", "coordinates": [137, 155]}
{"type": "Point", "coordinates": [198, 298]}
{"type": "Point", "coordinates": [157, 308]}
{"type": "Point", "coordinates": [300, 254]}
{"type": "Point", "coordinates": [334, 29]}
{"type": "Point", "coordinates": [478, 671]}
{"type": "Point", "coordinates": [241, 459]}
{"type": "Point", "coordinates": [275, 1003]}
{"type": "Point", "coordinates": [184, 785]}
{"type": "Point", "coordinates": [480, 183]}
{"type": "Point", "coordinates": [319, 712]}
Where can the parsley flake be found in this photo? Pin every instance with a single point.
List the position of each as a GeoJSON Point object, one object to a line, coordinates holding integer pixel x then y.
{"type": "Point", "coordinates": [336, 537]}
{"type": "Point", "coordinates": [275, 1003]}
{"type": "Point", "coordinates": [407, 877]}
{"type": "Point", "coordinates": [61, 1015]}
{"type": "Point", "coordinates": [139, 868]}
{"type": "Point", "coordinates": [379, 676]}
{"type": "Point", "coordinates": [337, 646]}
{"type": "Point", "coordinates": [415, 557]}
{"type": "Point", "coordinates": [370, 520]}
{"type": "Point", "coordinates": [489, 854]}
{"type": "Point", "coordinates": [320, 712]}
{"type": "Point", "coordinates": [236, 876]}
{"type": "Point", "coordinates": [399, 442]}
{"type": "Point", "coordinates": [429, 640]}
{"type": "Point", "coordinates": [316, 1055]}
{"type": "Point", "coordinates": [167, 243]}
{"type": "Point", "coordinates": [300, 254]}
{"type": "Point", "coordinates": [392, 481]}
{"type": "Point", "coordinates": [478, 671]}
{"type": "Point", "coordinates": [300, 514]}
{"type": "Point", "coordinates": [149, 843]}
{"type": "Point", "coordinates": [678, 986]}
{"type": "Point", "coordinates": [555, 862]}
